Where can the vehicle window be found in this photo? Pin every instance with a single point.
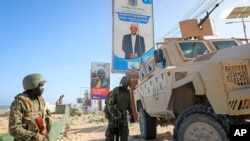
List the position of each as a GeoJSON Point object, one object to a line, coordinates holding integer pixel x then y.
{"type": "Point", "coordinates": [193, 49]}
{"type": "Point", "coordinates": [149, 67]}
{"type": "Point", "coordinates": [224, 44]}
{"type": "Point", "coordinates": [164, 63]}
{"type": "Point", "coordinates": [142, 74]}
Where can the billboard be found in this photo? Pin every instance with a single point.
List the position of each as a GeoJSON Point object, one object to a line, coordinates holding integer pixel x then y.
{"type": "Point", "coordinates": [100, 80]}
{"type": "Point", "coordinates": [133, 33]}
{"type": "Point", "coordinates": [84, 101]}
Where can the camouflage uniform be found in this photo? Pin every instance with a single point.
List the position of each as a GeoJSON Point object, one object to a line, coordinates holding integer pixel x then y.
{"type": "Point", "coordinates": [23, 114]}
{"type": "Point", "coordinates": [117, 105]}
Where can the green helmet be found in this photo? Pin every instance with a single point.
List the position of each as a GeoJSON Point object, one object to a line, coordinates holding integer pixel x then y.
{"type": "Point", "coordinates": [32, 81]}
{"type": "Point", "coordinates": [125, 81]}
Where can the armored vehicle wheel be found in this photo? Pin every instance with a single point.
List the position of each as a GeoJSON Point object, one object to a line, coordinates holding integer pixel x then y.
{"type": "Point", "coordinates": [200, 123]}
{"type": "Point", "coordinates": [147, 125]}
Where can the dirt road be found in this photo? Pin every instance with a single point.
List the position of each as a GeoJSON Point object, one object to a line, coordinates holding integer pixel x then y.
{"type": "Point", "coordinates": [92, 128]}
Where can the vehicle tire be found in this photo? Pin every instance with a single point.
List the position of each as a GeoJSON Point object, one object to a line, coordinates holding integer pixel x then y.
{"type": "Point", "coordinates": [199, 122]}
{"type": "Point", "coordinates": [147, 125]}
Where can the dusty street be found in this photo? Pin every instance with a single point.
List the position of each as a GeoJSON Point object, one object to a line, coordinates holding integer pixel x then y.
{"type": "Point", "coordinates": [92, 128]}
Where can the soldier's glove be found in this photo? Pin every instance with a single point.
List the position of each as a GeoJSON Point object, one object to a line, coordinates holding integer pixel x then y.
{"type": "Point", "coordinates": [132, 120]}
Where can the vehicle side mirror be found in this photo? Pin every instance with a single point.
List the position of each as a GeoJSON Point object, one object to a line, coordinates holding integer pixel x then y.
{"type": "Point", "coordinates": [158, 55]}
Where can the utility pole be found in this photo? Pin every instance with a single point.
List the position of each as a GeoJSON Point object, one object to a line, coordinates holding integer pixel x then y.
{"type": "Point", "coordinates": [244, 26]}
{"type": "Point", "coordinates": [240, 12]}
{"type": "Point", "coordinates": [84, 94]}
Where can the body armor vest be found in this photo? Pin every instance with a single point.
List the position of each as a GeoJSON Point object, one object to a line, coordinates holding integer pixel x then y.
{"type": "Point", "coordinates": [123, 99]}
{"type": "Point", "coordinates": [32, 109]}
{"type": "Point", "coordinates": [119, 102]}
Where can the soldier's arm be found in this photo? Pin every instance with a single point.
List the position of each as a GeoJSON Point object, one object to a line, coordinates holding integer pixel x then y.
{"type": "Point", "coordinates": [106, 106]}
{"type": "Point", "coordinates": [15, 123]}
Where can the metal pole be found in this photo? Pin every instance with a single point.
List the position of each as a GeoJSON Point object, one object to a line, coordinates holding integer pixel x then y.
{"type": "Point", "coordinates": [244, 28]}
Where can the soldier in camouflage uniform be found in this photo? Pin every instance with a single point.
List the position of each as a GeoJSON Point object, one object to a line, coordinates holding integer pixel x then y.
{"type": "Point", "coordinates": [26, 111]}
{"type": "Point", "coordinates": [117, 104]}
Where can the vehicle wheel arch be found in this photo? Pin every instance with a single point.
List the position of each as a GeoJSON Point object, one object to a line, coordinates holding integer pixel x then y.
{"type": "Point", "coordinates": [183, 97]}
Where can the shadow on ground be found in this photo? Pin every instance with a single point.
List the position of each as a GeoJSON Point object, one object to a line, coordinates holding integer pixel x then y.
{"type": "Point", "coordinates": [89, 129]}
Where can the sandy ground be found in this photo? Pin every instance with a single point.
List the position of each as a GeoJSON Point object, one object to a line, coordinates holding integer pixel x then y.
{"type": "Point", "coordinates": [4, 123]}
{"type": "Point", "coordinates": [92, 128]}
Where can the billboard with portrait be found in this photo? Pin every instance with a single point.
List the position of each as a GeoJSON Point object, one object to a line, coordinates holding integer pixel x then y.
{"type": "Point", "coordinates": [133, 33]}
{"type": "Point", "coordinates": [100, 80]}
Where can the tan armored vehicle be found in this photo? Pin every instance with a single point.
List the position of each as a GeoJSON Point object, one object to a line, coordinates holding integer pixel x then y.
{"type": "Point", "coordinates": [201, 86]}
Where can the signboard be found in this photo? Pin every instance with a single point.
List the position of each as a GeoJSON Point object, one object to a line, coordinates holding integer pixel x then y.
{"type": "Point", "coordinates": [100, 80]}
{"type": "Point", "coordinates": [84, 101]}
{"type": "Point", "coordinates": [132, 33]}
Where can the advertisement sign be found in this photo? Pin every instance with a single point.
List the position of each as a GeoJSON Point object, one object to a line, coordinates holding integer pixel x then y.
{"type": "Point", "coordinates": [84, 101]}
{"type": "Point", "coordinates": [100, 80]}
{"type": "Point", "coordinates": [133, 33]}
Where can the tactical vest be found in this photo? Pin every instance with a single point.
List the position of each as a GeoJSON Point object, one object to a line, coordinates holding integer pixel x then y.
{"type": "Point", "coordinates": [119, 102]}
{"type": "Point", "coordinates": [31, 111]}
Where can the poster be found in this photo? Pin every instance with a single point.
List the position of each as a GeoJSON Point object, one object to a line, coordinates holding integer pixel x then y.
{"type": "Point", "coordinates": [100, 80]}
{"type": "Point", "coordinates": [133, 33]}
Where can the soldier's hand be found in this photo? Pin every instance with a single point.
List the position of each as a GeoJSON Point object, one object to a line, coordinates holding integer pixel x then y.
{"type": "Point", "coordinates": [106, 116]}
{"type": "Point", "coordinates": [40, 137]}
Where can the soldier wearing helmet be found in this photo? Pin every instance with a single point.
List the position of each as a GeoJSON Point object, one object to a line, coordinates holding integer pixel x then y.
{"type": "Point", "coordinates": [28, 119]}
{"type": "Point", "coordinates": [117, 106]}
{"type": "Point", "coordinates": [101, 81]}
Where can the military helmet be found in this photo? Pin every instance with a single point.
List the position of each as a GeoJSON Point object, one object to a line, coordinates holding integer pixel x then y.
{"type": "Point", "coordinates": [32, 81]}
{"type": "Point", "coordinates": [125, 81]}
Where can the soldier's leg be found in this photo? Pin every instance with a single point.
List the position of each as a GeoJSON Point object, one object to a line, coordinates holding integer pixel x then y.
{"type": "Point", "coordinates": [124, 131]}
{"type": "Point", "coordinates": [110, 132]}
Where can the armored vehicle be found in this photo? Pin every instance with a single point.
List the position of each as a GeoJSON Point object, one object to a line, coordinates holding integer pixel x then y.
{"type": "Point", "coordinates": [201, 86]}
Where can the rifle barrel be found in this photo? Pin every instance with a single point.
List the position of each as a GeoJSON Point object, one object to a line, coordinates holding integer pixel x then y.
{"type": "Point", "coordinates": [207, 16]}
